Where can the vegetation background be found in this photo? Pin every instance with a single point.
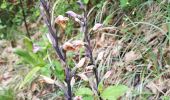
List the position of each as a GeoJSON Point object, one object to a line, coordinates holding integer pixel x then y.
{"type": "Point", "coordinates": [129, 41]}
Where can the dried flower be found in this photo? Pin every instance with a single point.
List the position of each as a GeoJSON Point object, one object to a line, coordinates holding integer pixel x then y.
{"type": "Point", "coordinates": [68, 47]}
{"type": "Point", "coordinates": [61, 21]}
{"type": "Point", "coordinates": [78, 44]}
{"type": "Point", "coordinates": [73, 46]}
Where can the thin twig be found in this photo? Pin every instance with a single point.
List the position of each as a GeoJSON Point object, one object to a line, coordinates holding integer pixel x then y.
{"type": "Point", "coordinates": [24, 18]}
{"type": "Point", "coordinates": [89, 50]}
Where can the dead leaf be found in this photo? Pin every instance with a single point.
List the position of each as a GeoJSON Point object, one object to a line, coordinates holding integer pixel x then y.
{"type": "Point", "coordinates": [2, 61]}
{"type": "Point", "coordinates": [83, 76]}
{"type": "Point", "coordinates": [102, 39]}
{"type": "Point", "coordinates": [81, 63]}
{"type": "Point", "coordinates": [117, 49]}
{"type": "Point", "coordinates": [100, 55]}
{"type": "Point", "coordinates": [167, 66]}
{"type": "Point", "coordinates": [51, 39]}
{"type": "Point", "coordinates": [165, 27]}
{"type": "Point", "coordinates": [33, 87]}
{"type": "Point", "coordinates": [151, 37]}
{"type": "Point", "coordinates": [130, 68]}
{"type": "Point", "coordinates": [131, 56]}
{"type": "Point", "coordinates": [150, 65]}
{"type": "Point", "coordinates": [46, 79]}
{"type": "Point", "coordinates": [72, 81]}
{"type": "Point", "coordinates": [6, 78]}
{"type": "Point", "coordinates": [89, 68]}
{"type": "Point", "coordinates": [108, 73]}
{"type": "Point", "coordinates": [152, 87]}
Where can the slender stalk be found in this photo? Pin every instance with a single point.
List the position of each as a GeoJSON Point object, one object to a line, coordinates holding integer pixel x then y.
{"type": "Point", "coordinates": [24, 18]}
{"type": "Point", "coordinates": [60, 53]}
{"type": "Point", "coordinates": [89, 50]}
{"type": "Point", "coordinates": [68, 79]}
{"type": "Point", "coordinates": [47, 19]}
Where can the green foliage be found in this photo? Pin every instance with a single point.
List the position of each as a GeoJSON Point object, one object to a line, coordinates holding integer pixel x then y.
{"type": "Point", "coordinates": [25, 56]}
{"type": "Point", "coordinates": [11, 17]}
{"type": "Point", "coordinates": [85, 1]}
{"type": "Point", "coordinates": [85, 92]}
{"type": "Point", "coordinates": [114, 92]}
{"type": "Point", "coordinates": [100, 86]}
{"type": "Point", "coordinates": [46, 71]}
{"type": "Point", "coordinates": [7, 94]}
{"type": "Point", "coordinates": [28, 43]}
{"type": "Point", "coordinates": [124, 3]}
{"type": "Point", "coordinates": [165, 98]}
{"type": "Point", "coordinates": [30, 57]}
{"type": "Point", "coordinates": [107, 19]}
{"type": "Point", "coordinates": [36, 60]}
{"type": "Point", "coordinates": [30, 76]}
{"type": "Point", "coordinates": [59, 72]}
{"type": "Point", "coordinates": [130, 4]}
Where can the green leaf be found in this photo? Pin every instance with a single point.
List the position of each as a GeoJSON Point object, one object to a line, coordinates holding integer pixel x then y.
{"type": "Point", "coordinates": [88, 97]}
{"type": "Point", "coordinates": [29, 76]}
{"type": "Point", "coordinates": [114, 92]}
{"type": "Point", "coordinates": [2, 26]}
{"type": "Point", "coordinates": [28, 44]}
{"type": "Point", "coordinates": [7, 94]}
{"type": "Point", "coordinates": [25, 56]}
{"type": "Point", "coordinates": [3, 5]}
{"type": "Point", "coordinates": [59, 72]}
{"type": "Point", "coordinates": [85, 1]}
{"type": "Point", "coordinates": [39, 60]}
{"type": "Point", "coordinates": [124, 3]}
{"type": "Point", "coordinates": [100, 86]}
{"type": "Point", "coordinates": [165, 98]}
{"type": "Point", "coordinates": [108, 19]}
{"type": "Point", "coordinates": [84, 92]}
{"type": "Point", "coordinates": [46, 70]}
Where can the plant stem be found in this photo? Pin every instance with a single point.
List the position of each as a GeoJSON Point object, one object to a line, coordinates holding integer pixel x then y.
{"type": "Point", "coordinates": [68, 79]}
{"type": "Point", "coordinates": [60, 53]}
{"type": "Point", "coordinates": [89, 51]}
{"type": "Point", "coordinates": [24, 18]}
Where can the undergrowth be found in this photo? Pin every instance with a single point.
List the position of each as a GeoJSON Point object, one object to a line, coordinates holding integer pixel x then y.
{"type": "Point", "coordinates": [91, 50]}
